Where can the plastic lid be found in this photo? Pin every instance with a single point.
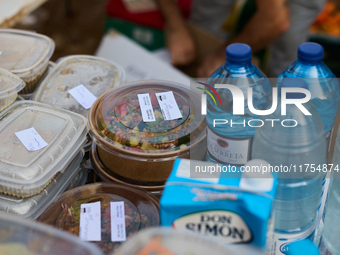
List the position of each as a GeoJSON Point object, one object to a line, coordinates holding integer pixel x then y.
{"type": "Point", "coordinates": [25, 173]}
{"type": "Point", "coordinates": [96, 74]}
{"type": "Point", "coordinates": [19, 236]}
{"type": "Point", "coordinates": [305, 246]}
{"type": "Point", "coordinates": [31, 207]}
{"type": "Point", "coordinates": [141, 210]}
{"type": "Point", "coordinates": [116, 123]}
{"type": "Point", "coordinates": [238, 53]}
{"type": "Point", "coordinates": [23, 51]}
{"type": "Point", "coordinates": [169, 241]}
{"type": "Point", "coordinates": [310, 52]}
{"type": "Point", "coordinates": [9, 83]}
{"type": "Point", "coordinates": [294, 83]}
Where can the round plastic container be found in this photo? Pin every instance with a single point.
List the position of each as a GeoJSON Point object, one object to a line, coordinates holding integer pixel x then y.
{"type": "Point", "coordinates": [98, 75]}
{"type": "Point", "coordinates": [177, 242]}
{"type": "Point", "coordinates": [23, 172]}
{"type": "Point", "coordinates": [108, 176]}
{"type": "Point", "coordinates": [25, 54]}
{"type": "Point", "coordinates": [141, 210]}
{"type": "Point", "coordinates": [10, 85]}
{"type": "Point", "coordinates": [32, 207]}
{"type": "Point", "coordinates": [19, 236]}
{"type": "Point", "coordinates": [145, 151]}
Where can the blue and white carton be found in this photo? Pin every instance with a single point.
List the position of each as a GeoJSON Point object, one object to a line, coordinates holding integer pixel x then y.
{"type": "Point", "coordinates": [209, 198]}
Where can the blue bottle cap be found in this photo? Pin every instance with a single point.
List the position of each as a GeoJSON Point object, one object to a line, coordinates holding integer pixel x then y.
{"type": "Point", "coordinates": [294, 83]}
{"type": "Point", "coordinates": [305, 246]}
{"type": "Point", "coordinates": [238, 53]}
{"type": "Point", "coordinates": [310, 52]}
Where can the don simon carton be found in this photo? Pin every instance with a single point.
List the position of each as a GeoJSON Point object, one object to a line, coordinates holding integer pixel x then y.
{"type": "Point", "coordinates": [235, 207]}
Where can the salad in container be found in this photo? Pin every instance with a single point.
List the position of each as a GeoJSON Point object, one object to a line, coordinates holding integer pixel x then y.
{"type": "Point", "coordinates": [22, 237]}
{"type": "Point", "coordinates": [25, 172]}
{"type": "Point", "coordinates": [10, 85]}
{"type": "Point", "coordinates": [141, 210]}
{"type": "Point", "coordinates": [96, 74]}
{"type": "Point", "coordinates": [145, 151]}
{"type": "Point", "coordinates": [25, 54]}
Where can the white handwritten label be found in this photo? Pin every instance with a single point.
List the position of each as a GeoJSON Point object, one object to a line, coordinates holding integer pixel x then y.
{"type": "Point", "coordinates": [83, 96]}
{"type": "Point", "coordinates": [146, 107]}
{"type": "Point", "coordinates": [118, 231]}
{"type": "Point", "coordinates": [90, 222]}
{"type": "Point", "coordinates": [31, 139]}
{"type": "Point", "coordinates": [168, 105]}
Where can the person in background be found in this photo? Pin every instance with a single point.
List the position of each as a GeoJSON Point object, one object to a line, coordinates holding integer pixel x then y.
{"type": "Point", "coordinates": [148, 18]}
{"type": "Point", "coordinates": [279, 25]}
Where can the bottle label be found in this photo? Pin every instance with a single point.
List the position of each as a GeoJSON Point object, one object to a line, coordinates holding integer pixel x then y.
{"type": "Point", "coordinates": [229, 150]}
{"type": "Point", "coordinates": [281, 241]}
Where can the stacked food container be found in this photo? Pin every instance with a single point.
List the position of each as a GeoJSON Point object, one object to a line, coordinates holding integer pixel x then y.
{"type": "Point", "coordinates": [128, 150]}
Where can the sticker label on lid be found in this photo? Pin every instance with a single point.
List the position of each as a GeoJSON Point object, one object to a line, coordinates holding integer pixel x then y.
{"type": "Point", "coordinates": [90, 222]}
{"type": "Point", "coordinates": [146, 107]}
{"type": "Point", "coordinates": [83, 96]}
{"type": "Point", "coordinates": [118, 231]}
{"type": "Point", "coordinates": [31, 139]}
{"type": "Point", "coordinates": [168, 104]}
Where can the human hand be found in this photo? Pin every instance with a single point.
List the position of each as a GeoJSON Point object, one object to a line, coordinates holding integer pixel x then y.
{"type": "Point", "coordinates": [211, 63]}
{"type": "Point", "coordinates": [181, 45]}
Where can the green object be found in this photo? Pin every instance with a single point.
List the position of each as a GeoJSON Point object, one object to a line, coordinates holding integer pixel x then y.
{"type": "Point", "coordinates": [150, 38]}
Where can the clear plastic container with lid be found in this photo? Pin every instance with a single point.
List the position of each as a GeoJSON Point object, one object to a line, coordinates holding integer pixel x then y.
{"type": "Point", "coordinates": [145, 151]}
{"type": "Point", "coordinates": [25, 173]}
{"type": "Point", "coordinates": [98, 75]}
{"type": "Point", "coordinates": [32, 207]}
{"type": "Point", "coordinates": [156, 241]}
{"type": "Point", "coordinates": [25, 54]}
{"type": "Point", "coordinates": [21, 237]}
{"type": "Point", "coordinates": [10, 85]}
{"type": "Point", "coordinates": [141, 210]}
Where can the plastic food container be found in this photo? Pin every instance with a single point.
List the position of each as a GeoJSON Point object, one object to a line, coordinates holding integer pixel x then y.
{"type": "Point", "coordinates": [25, 173]}
{"type": "Point", "coordinates": [30, 95]}
{"type": "Point", "coordinates": [10, 85]}
{"type": "Point", "coordinates": [145, 151]}
{"type": "Point", "coordinates": [26, 55]}
{"type": "Point", "coordinates": [98, 75]}
{"type": "Point", "coordinates": [32, 207]}
{"type": "Point", "coordinates": [141, 210]}
{"type": "Point", "coordinates": [108, 176]}
{"type": "Point", "coordinates": [22, 237]}
{"type": "Point", "coordinates": [175, 242]}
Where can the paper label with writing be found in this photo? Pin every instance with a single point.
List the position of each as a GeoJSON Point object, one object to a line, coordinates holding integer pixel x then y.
{"type": "Point", "coordinates": [31, 139]}
{"type": "Point", "coordinates": [83, 96]}
{"type": "Point", "coordinates": [90, 222]}
{"type": "Point", "coordinates": [118, 231]}
{"type": "Point", "coordinates": [146, 107]}
{"type": "Point", "coordinates": [168, 104]}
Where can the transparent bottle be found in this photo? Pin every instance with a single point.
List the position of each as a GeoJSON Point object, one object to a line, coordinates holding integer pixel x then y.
{"type": "Point", "coordinates": [290, 144]}
{"type": "Point", "coordinates": [229, 141]}
{"type": "Point", "coordinates": [330, 244]}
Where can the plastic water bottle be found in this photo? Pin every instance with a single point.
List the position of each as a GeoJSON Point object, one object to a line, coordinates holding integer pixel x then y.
{"type": "Point", "coordinates": [230, 141]}
{"type": "Point", "coordinates": [290, 150]}
{"type": "Point", "coordinates": [325, 92]}
{"type": "Point", "coordinates": [302, 247]}
{"type": "Point", "coordinates": [321, 82]}
{"type": "Point", "coordinates": [330, 244]}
